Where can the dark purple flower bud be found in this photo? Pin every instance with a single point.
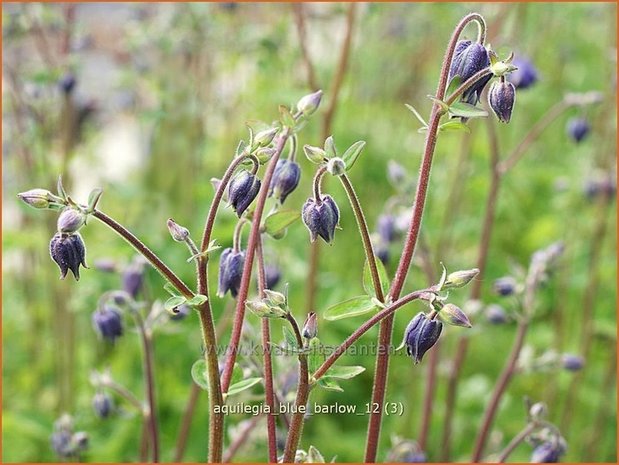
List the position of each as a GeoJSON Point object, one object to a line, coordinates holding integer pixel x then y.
{"type": "Point", "coordinates": [242, 191]}
{"type": "Point", "coordinates": [102, 404]}
{"type": "Point", "coordinates": [273, 275]}
{"type": "Point", "coordinates": [420, 335]}
{"type": "Point", "coordinates": [386, 227]}
{"type": "Point", "coordinates": [179, 233]}
{"type": "Point", "coordinates": [526, 74]}
{"type": "Point", "coordinates": [285, 179]}
{"type": "Point", "coordinates": [468, 59]}
{"type": "Point", "coordinates": [230, 271]}
{"type": "Point", "coordinates": [548, 452]}
{"type": "Point", "coordinates": [61, 443]}
{"type": "Point", "coordinates": [310, 327]}
{"type": "Point", "coordinates": [501, 98]}
{"type": "Point", "coordinates": [382, 252]}
{"type": "Point", "coordinates": [321, 217]}
{"type": "Point", "coordinates": [180, 312]}
{"type": "Point", "coordinates": [133, 279]}
{"type": "Point", "coordinates": [578, 128]}
{"type": "Point", "coordinates": [495, 314]}
{"type": "Point", "coordinates": [80, 441]}
{"type": "Point", "coordinates": [69, 252]}
{"type": "Point", "coordinates": [67, 83]}
{"type": "Point", "coordinates": [504, 286]}
{"type": "Point", "coordinates": [107, 265]}
{"type": "Point", "coordinates": [70, 221]}
{"type": "Point", "coordinates": [108, 323]}
{"type": "Point", "coordinates": [572, 362]}
{"type": "Point", "coordinates": [415, 457]}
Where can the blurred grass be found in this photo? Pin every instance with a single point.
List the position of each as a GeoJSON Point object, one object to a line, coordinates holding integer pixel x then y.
{"type": "Point", "coordinates": [188, 77]}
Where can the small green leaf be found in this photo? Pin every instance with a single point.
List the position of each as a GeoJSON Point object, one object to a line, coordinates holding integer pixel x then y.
{"type": "Point", "coordinates": [93, 198]}
{"type": "Point", "coordinates": [417, 114]}
{"type": "Point", "coordinates": [454, 126]}
{"type": "Point", "coordinates": [466, 110]}
{"type": "Point", "coordinates": [61, 192]}
{"type": "Point", "coordinates": [439, 102]}
{"type": "Point", "coordinates": [329, 384]}
{"type": "Point", "coordinates": [289, 337]}
{"type": "Point", "coordinates": [441, 282]}
{"type": "Point", "coordinates": [286, 117]}
{"type": "Point", "coordinates": [343, 372]}
{"type": "Point", "coordinates": [314, 455]}
{"type": "Point", "coordinates": [453, 84]}
{"type": "Point", "coordinates": [315, 356]}
{"type": "Point", "coordinates": [276, 223]}
{"type": "Point", "coordinates": [329, 147]}
{"type": "Point", "coordinates": [242, 386]}
{"type": "Point", "coordinates": [170, 289]}
{"type": "Point", "coordinates": [368, 284]}
{"type": "Point", "coordinates": [352, 153]}
{"type": "Point", "coordinates": [240, 148]}
{"type": "Point", "coordinates": [197, 300]}
{"type": "Point", "coordinates": [174, 302]}
{"type": "Point", "coordinates": [237, 374]}
{"type": "Point", "coordinates": [199, 374]}
{"type": "Point", "coordinates": [352, 307]}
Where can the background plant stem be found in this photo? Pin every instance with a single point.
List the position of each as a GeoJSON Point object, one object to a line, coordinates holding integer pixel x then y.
{"type": "Point", "coordinates": [515, 442]}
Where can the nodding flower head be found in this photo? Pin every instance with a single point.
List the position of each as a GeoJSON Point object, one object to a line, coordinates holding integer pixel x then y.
{"type": "Point", "coordinates": [501, 98]}
{"type": "Point", "coordinates": [69, 252]}
{"type": "Point", "coordinates": [504, 286]}
{"type": "Point", "coordinates": [107, 321]}
{"type": "Point", "coordinates": [420, 335]}
{"type": "Point", "coordinates": [549, 451]}
{"type": "Point", "coordinates": [526, 74]}
{"type": "Point", "coordinates": [230, 271]}
{"type": "Point", "coordinates": [572, 362]}
{"type": "Point", "coordinates": [285, 179]}
{"type": "Point", "coordinates": [386, 227]}
{"type": "Point", "coordinates": [578, 129]}
{"type": "Point", "coordinates": [242, 191]}
{"type": "Point", "coordinates": [133, 278]}
{"type": "Point", "coordinates": [495, 314]}
{"type": "Point", "coordinates": [67, 83]}
{"type": "Point", "coordinates": [321, 217]}
{"type": "Point", "coordinates": [102, 405]}
{"type": "Point", "coordinates": [470, 58]}
{"type": "Point", "coordinates": [273, 275]}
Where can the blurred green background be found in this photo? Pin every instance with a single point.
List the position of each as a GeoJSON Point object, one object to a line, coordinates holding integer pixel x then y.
{"type": "Point", "coordinates": [163, 93]}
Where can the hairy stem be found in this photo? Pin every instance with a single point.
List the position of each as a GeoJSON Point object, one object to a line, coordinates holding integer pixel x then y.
{"type": "Point", "coordinates": [183, 435]}
{"type": "Point", "coordinates": [299, 17]}
{"type": "Point", "coordinates": [515, 442]}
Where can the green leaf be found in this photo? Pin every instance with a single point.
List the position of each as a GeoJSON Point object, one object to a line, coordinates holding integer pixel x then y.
{"type": "Point", "coordinates": [275, 224]}
{"type": "Point", "coordinates": [289, 337]}
{"type": "Point", "coordinates": [454, 126]}
{"type": "Point", "coordinates": [314, 455]}
{"type": "Point", "coordinates": [199, 374]}
{"type": "Point", "coordinates": [417, 114]}
{"type": "Point", "coordinates": [343, 372]}
{"type": "Point", "coordinates": [237, 374]}
{"type": "Point", "coordinates": [349, 308]}
{"type": "Point", "coordinates": [93, 198]}
{"type": "Point", "coordinates": [315, 356]}
{"type": "Point", "coordinates": [286, 117]}
{"type": "Point", "coordinates": [197, 300]}
{"type": "Point", "coordinates": [439, 102]}
{"type": "Point", "coordinates": [329, 384]}
{"type": "Point", "coordinates": [453, 84]}
{"type": "Point", "coordinates": [242, 386]}
{"type": "Point", "coordinates": [61, 192]}
{"type": "Point", "coordinates": [170, 289]}
{"type": "Point", "coordinates": [368, 284]}
{"type": "Point", "coordinates": [352, 153]}
{"type": "Point", "coordinates": [240, 148]}
{"type": "Point", "coordinates": [174, 302]}
{"type": "Point", "coordinates": [466, 110]}
{"type": "Point", "coordinates": [329, 147]}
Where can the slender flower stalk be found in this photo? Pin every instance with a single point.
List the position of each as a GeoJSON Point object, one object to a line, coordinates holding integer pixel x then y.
{"type": "Point", "coordinates": [386, 327]}
{"type": "Point", "coordinates": [515, 442]}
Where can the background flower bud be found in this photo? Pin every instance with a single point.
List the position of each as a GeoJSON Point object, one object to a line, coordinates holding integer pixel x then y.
{"type": "Point", "coordinates": [385, 226]}
{"type": "Point", "coordinates": [308, 104]}
{"type": "Point", "coordinates": [107, 321]}
{"type": "Point", "coordinates": [452, 315]}
{"type": "Point", "coordinates": [526, 74]}
{"type": "Point", "coordinates": [37, 198]}
{"type": "Point", "coordinates": [178, 232]}
{"type": "Point", "coordinates": [230, 272]}
{"type": "Point", "coordinates": [548, 452]}
{"type": "Point", "coordinates": [285, 179]}
{"type": "Point", "coordinates": [572, 362]}
{"type": "Point", "coordinates": [495, 314]}
{"type": "Point", "coordinates": [133, 278]}
{"type": "Point", "coordinates": [460, 278]}
{"type": "Point", "coordinates": [180, 312]}
{"type": "Point", "coordinates": [70, 220]}
{"type": "Point", "coordinates": [501, 98]}
{"type": "Point", "coordinates": [67, 83]}
{"type": "Point", "coordinates": [336, 166]}
{"type": "Point", "coordinates": [69, 252]}
{"type": "Point", "coordinates": [322, 218]}
{"type": "Point", "coordinates": [538, 411]}
{"type": "Point", "coordinates": [310, 327]}
{"type": "Point", "coordinates": [102, 405]}
{"type": "Point", "coordinates": [242, 191]}
{"type": "Point", "coordinates": [504, 286]}
{"type": "Point", "coordinates": [578, 129]}
{"type": "Point", "coordinates": [420, 335]}
{"type": "Point", "coordinates": [273, 275]}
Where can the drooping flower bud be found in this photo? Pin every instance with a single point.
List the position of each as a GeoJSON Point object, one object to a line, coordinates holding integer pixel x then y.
{"type": "Point", "coordinates": [70, 221]}
{"type": "Point", "coordinates": [420, 335]}
{"type": "Point", "coordinates": [501, 98]}
{"type": "Point", "coordinates": [38, 198]}
{"type": "Point", "coordinates": [285, 179]}
{"type": "Point", "coordinates": [504, 286]}
{"type": "Point", "coordinates": [309, 103]}
{"type": "Point", "coordinates": [242, 191]}
{"type": "Point", "coordinates": [67, 83]}
{"type": "Point", "coordinates": [495, 314]}
{"type": "Point", "coordinates": [321, 217]}
{"type": "Point", "coordinates": [107, 321]}
{"type": "Point", "coordinates": [396, 173]}
{"type": "Point", "coordinates": [69, 252]}
{"type": "Point", "coordinates": [310, 327]}
{"type": "Point", "coordinates": [273, 275]}
{"type": "Point", "coordinates": [230, 272]}
{"type": "Point", "coordinates": [178, 232]}
{"type": "Point", "coordinates": [106, 265]}
{"type": "Point", "coordinates": [549, 451]}
{"type": "Point", "coordinates": [468, 59]}
{"type": "Point", "coordinates": [133, 278]}
{"type": "Point", "coordinates": [385, 226]}
{"type": "Point", "coordinates": [102, 405]}
{"type": "Point", "coordinates": [572, 362]}
{"type": "Point", "coordinates": [526, 74]}
{"type": "Point", "coordinates": [578, 129]}
{"type": "Point", "coordinates": [453, 315]}
{"type": "Point", "coordinates": [460, 278]}
{"type": "Point", "coordinates": [382, 252]}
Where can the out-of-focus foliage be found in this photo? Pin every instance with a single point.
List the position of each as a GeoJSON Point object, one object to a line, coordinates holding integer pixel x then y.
{"type": "Point", "coordinates": [162, 96]}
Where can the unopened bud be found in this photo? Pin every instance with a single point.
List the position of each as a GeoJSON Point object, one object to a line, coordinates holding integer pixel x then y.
{"type": "Point", "coordinates": [460, 278]}
{"type": "Point", "coordinates": [70, 221]}
{"type": "Point", "coordinates": [264, 138]}
{"type": "Point", "coordinates": [572, 362]}
{"type": "Point", "coordinates": [538, 411]}
{"type": "Point", "coordinates": [314, 154]}
{"type": "Point", "coordinates": [38, 198]}
{"type": "Point", "coordinates": [420, 335]}
{"type": "Point", "coordinates": [501, 98]}
{"type": "Point", "coordinates": [336, 166]}
{"type": "Point", "coordinates": [454, 316]}
{"type": "Point", "coordinates": [264, 154]}
{"type": "Point", "coordinates": [178, 232]}
{"type": "Point", "coordinates": [275, 298]}
{"type": "Point", "coordinates": [504, 286]}
{"type": "Point", "coordinates": [309, 103]}
{"type": "Point", "coordinates": [310, 327]}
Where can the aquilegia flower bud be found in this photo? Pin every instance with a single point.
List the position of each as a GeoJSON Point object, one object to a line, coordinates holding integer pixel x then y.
{"type": "Point", "coordinates": [495, 314]}
{"type": "Point", "coordinates": [453, 315]}
{"type": "Point", "coordinates": [69, 252]}
{"type": "Point", "coordinates": [230, 271]}
{"type": "Point", "coordinates": [102, 405]}
{"type": "Point", "coordinates": [460, 278]}
{"type": "Point", "coordinates": [321, 217]}
{"type": "Point", "coordinates": [504, 286]}
{"type": "Point", "coordinates": [468, 59]}
{"type": "Point", "coordinates": [310, 327]}
{"type": "Point", "coordinates": [133, 278]}
{"type": "Point", "coordinates": [70, 220]}
{"type": "Point", "coordinates": [526, 74]}
{"type": "Point", "coordinates": [309, 103]}
{"type": "Point", "coordinates": [572, 362]}
{"type": "Point", "coordinates": [501, 98]}
{"type": "Point", "coordinates": [578, 128]}
{"type": "Point", "coordinates": [242, 191]}
{"type": "Point", "coordinates": [285, 179]}
{"type": "Point", "coordinates": [385, 226]}
{"type": "Point", "coordinates": [179, 233]}
{"type": "Point", "coordinates": [67, 83]}
{"type": "Point", "coordinates": [265, 137]}
{"type": "Point", "coordinates": [420, 335]}
{"type": "Point", "coordinates": [549, 451]}
{"type": "Point", "coordinates": [38, 198]}
{"type": "Point", "coordinates": [107, 321]}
